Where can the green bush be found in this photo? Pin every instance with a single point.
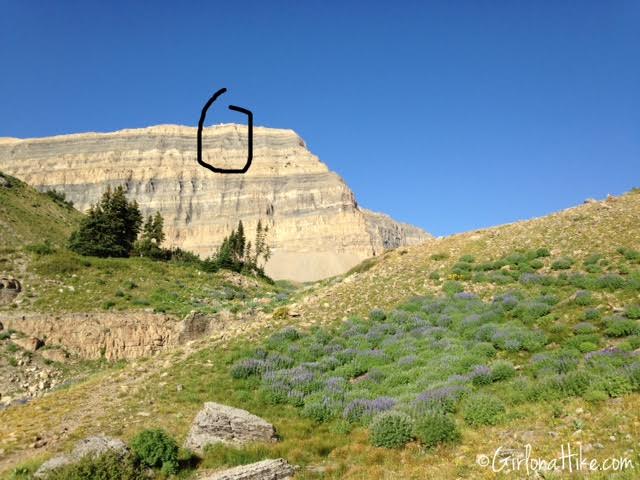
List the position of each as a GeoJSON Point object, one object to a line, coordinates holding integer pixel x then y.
{"type": "Point", "coordinates": [616, 385]}
{"type": "Point", "coordinates": [391, 430]}
{"type": "Point", "coordinates": [44, 248]}
{"type": "Point", "coordinates": [467, 258]}
{"type": "Point", "coordinates": [633, 312]}
{"type": "Point", "coordinates": [435, 428]}
{"type": "Point", "coordinates": [620, 327]}
{"type": "Point", "coordinates": [482, 410]}
{"type": "Point", "coordinates": [377, 315]}
{"type": "Point", "coordinates": [502, 370]}
{"type": "Point", "coordinates": [451, 287]}
{"type": "Point", "coordinates": [595, 396]}
{"type": "Point", "coordinates": [583, 298]}
{"type": "Point", "coordinates": [109, 466]}
{"type": "Point", "coordinates": [319, 411]}
{"type": "Point", "coordinates": [543, 252]}
{"type": "Point", "coordinates": [155, 448]}
{"type": "Point", "coordinates": [563, 263]}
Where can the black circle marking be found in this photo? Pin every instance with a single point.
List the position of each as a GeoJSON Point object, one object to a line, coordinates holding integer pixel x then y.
{"type": "Point", "coordinates": [203, 115]}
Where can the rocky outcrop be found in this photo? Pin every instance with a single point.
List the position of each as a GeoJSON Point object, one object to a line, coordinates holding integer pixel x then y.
{"type": "Point", "coordinates": [278, 469]}
{"type": "Point", "coordinates": [316, 227]}
{"type": "Point", "coordinates": [90, 446]}
{"type": "Point", "coordinates": [30, 344]}
{"type": "Point", "coordinates": [9, 289]}
{"type": "Point", "coordinates": [110, 335]}
{"type": "Point", "coordinates": [220, 423]}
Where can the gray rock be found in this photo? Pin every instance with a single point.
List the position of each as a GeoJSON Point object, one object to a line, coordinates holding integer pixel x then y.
{"type": "Point", "coordinates": [217, 423]}
{"type": "Point", "coordinates": [94, 446]}
{"type": "Point", "coordinates": [277, 469]}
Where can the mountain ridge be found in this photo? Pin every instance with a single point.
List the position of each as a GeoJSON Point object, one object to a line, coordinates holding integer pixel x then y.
{"type": "Point", "coordinates": [317, 229]}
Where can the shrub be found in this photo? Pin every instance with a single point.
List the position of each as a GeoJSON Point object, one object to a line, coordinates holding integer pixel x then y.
{"type": "Point", "coordinates": [583, 298]}
{"type": "Point", "coordinates": [44, 248]}
{"type": "Point", "coordinates": [592, 314]}
{"type": "Point", "coordinates": [155, 448]}
{"type": "Point", "coordinates": [443, 399]}
{"type": "Point", "coordinates": [481, 376]}
{"type": "Point", "coordinates": [435, 428]}
{"type": "Point", "coordinates": [247, 367]}
{"type": "Point", "coordinates": [467, 259]}
{"type": "Point", "coordinates": [320, 410]}
{"type": "Point", "coordinates": [361, 409]}
{"type": "Point", "coordinates": [563, 263]}
{"type": "Point", "coordinates": [621, 327]}
{"type": "Point", "coordinates": [502, 370]}
{"type": "Point", "coordinates": [610, 281]}
{"type": "Point", "coordinates": [109, 466]}
{"type": "Point", "coordinates": [543, 252]}
{"type": "Point", "coordinates": [435, 275]}
{"type": "Point", "coordinates": [377, 315]}
{"type": "Point", "coordinates": [616, 385]}
{"type": "Point", "coordinates": [633, 312]}
{"type": "Point", "coordinates": [584, 328]}
{"type": "Point", "coordinates": [531, 311]}
{"type": "Point", "coordinates": [452, 287]}
{"type": "Point", "coordinates": [595, 396]}
{"type": "Point", "coordinates": [391, 430]}
{"type": "Point", "coordinates": [439, 256]}
{"type": "Point", "coordinates": [483, 410]}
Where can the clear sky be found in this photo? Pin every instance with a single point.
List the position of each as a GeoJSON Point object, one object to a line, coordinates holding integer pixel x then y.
{"type": "Point", "coordinates": [450, 115]}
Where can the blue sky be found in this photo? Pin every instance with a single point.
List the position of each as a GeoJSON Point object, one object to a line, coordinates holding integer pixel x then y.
{"type": "Point", "coordinates": [448, 115]}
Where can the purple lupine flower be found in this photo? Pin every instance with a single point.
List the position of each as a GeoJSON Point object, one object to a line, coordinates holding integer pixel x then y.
{"type": "Point", "coordinates": [335, 384]}
{"type": "Point", "coordinates": [440, 398]}
{"type": "Point", "coordinates": [359, 408]}
{"type": "Point", "coordinates": [407, 361]}
{"type": "Point", "coordinates": [465, 296]}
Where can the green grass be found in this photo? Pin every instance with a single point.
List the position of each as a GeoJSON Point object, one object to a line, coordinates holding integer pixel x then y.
{"type": "Point", "coordinates": [29, 217]}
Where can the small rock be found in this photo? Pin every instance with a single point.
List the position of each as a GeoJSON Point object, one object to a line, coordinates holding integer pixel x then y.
{"type": "Point", "coordinates": [612, 438]}
{"type": "Point", "coordinates": [179, 387]}
{"type": "Point", "coordinates": [579, 411]}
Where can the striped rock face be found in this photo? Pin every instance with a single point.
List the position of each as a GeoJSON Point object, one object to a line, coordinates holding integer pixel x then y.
{"type": "Point", "coordinates": [316, 228]}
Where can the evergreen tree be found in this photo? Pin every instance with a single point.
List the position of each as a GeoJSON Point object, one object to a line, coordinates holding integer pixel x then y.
{"type": "Point", "coordinates": [110, 227]}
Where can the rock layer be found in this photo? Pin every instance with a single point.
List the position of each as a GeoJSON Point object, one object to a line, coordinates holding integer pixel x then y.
{"type": "Point", "coordinates": [316, 226]}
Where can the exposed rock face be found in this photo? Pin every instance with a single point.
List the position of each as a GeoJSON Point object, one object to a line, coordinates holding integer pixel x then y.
{"type": "Point", "coordinates": [316, 227]}
{"type": "Point", "coordinates": [97, 334]}
{"type": "Point", "coordinates": [30, 344]}
{"type": "Point", "coordinates": [220, 423]}
{"type": "Point", "coordinates": [9, 289]}
{"type": "Point", "coordinates": [93, 446]}
{"type": "Point", "coordinates": [277, 469]}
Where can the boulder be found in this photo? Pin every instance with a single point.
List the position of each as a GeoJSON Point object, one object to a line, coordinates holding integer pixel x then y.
{"type": "Point", "coordinates": [30, 344]}
{"type": "Point", "coordinates": [277, 469]}
{"type": "Point", "coordinates": [94, 446]}
{"type": "Point", "coordinates": [217, 423]}
{"type": "Point", "coordinates": [9, 288]}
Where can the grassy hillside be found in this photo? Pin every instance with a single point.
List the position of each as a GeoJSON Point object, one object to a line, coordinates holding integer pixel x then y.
{"type": "Point", "coordinates": [34, 229]}
{"type": "Point", "coordinates": [28, 216]}
{"type": "Point", "coordinates": [522, 334]}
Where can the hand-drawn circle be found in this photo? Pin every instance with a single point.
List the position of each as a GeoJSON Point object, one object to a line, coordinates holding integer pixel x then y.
{"type": "Point", "coordinates": [203, 115]}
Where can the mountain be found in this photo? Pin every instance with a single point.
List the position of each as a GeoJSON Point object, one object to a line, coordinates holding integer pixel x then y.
{"type": "Point", "coordinates": [316, 227]}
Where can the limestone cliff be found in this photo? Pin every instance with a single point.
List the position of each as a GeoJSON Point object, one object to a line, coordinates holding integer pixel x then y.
{"type": "Point", "coordinates": [316, 227]}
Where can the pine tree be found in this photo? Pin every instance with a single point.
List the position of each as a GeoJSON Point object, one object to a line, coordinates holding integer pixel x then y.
{"type": "Point", "coordinates": [110, 227]}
